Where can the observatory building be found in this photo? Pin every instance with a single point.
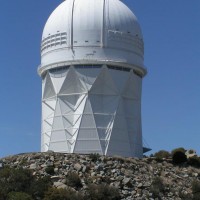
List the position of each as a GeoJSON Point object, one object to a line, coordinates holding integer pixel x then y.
{"type": "Point", "coordinates": [92, 69]}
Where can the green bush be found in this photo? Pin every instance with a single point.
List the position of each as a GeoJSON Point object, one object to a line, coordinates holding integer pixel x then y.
{"type": "Point", "coordinates": [162, 154]}
{"type": "Point", "coordinates": [102, 192]}
{"type": "Point", "coordinates": [157, 187]}
{"type": "Point", "coordinates": [39, 187]}
{"type": "Point", "coordinates": [73, 180]}
{"type": "Point", "coordinates": [21, 182]}
{"type": "Point", "coordinates": [191, 151]}
{"type": "Point", "coordinates": [16, 180]}
{"type": "Point", "coordinates": [194, 161]}
{"type": "Point", "coordinates": [50, 170]}
{"type": "Point", "coordinates": [62, 194]}
{"type": "Point", "coordinates": [179, 157]}
{"type": "Point", "coordinates": [19, 196]}
{"type": "Point", "coordinates": [196, 190]}
{"type": "Point", "coordinates": [94, 157]}
{"type": "Point", "coordinates": [180, 149]}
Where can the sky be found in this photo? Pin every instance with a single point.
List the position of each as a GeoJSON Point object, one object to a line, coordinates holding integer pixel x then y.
{"type": "Point", "coordinates": [171, 89]}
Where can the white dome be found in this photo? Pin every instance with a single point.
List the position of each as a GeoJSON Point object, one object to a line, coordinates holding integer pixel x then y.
{"type": "Point", "coordinates": [92, 31]}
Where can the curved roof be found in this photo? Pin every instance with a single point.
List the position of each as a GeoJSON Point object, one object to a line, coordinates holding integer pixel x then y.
{"type": "Point", "coordinates": [92, 30]}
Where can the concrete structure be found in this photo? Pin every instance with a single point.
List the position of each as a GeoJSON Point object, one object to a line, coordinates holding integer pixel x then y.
{"type": "Point", "coordinates": [92, 69]}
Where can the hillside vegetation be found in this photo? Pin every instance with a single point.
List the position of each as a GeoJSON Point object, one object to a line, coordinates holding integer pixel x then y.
{"type": "Point", "coordinates": [56, 176]}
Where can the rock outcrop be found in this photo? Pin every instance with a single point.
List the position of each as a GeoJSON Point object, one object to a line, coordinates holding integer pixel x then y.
{"type": "Point", "coordinates": [135, 178]}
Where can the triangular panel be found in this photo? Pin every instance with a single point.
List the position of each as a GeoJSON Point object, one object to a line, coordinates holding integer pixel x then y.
{"type": "Point", "coordinates": [87, 139]}
{"type": "Point", "coordinates": [104, 129]}
{"type": "Point", "coordinates": [59, 146]}
{"type": "Point", "coordinates": [104, 84]}
{"type": "Point", "coordinates": [68, 120]}
{"type": "Point", "coordinates": [51, 103]}
{"type": "Point", "coordinates": [48, 88]}
{"type": "Point", "coordinates": [69, 146]}
{"type": "Point", "coordinates": [119, 141]}
{"type": "Point", "coordinates": [71, 120]}
{"type": "Point", "coordinates": [88, 107]}
{"type": "Point", "coordinates": [103, 120]}
{"type": "Point", "coordinates": [58, 123]}
{"type": "Point", "coordinates": [77, 121]}
{"type": "Point", "coordinates": [46, 139]}
{"type": "Point", "coordinates": [72, 84]}
{"type": "Point", "coordinates": [104, 136]}
{"type": "Point", "coordinates": [88, 76]}
{"type": "Point", "coordinates": [71, 103]}
{"type": "Point", "coordinates": [57, 82]}
{"type": "Point", "coordinates": [120, 78]}
{"type": "Point", "coordinates": [49, 121]}
{"type": "Point", "coordinates": [104, 104]}
{"type": "Point", "coordinates": [71, 143]}
{"type": "Point", "coordinates": [48, 108]}
{"type": "Point", "coordinates": [104, 145]}
{"type": "Point", "coordinates": [133, 87]}
{"type": "Point", "coordinates": [87, 121]}
{"type": "Point", "coordinates": [46, 126]}
{"type": "Point", "coordinates": [71, 124]}
{"type": "Point", "coordinates": [69, 132]}
{"type": "Point", "coordinates": [65, 108]}
{"type": "Point", "coordinates": [43, 85]}
{"type": "Point", "coordinates": [57, 136]}
{"type": "Point", "coordinates": [58, 109]}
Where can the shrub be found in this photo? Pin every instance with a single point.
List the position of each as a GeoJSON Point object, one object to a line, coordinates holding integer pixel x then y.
{"type": "Point", "coordinates": [196, 190]}
{"type": "Point", "coordinates": [94, 157]}
{"type": "Point", "coordinates": [179, 157]}
{"type": "Point", "coordinates": [21, 183]}
{"type": "Point", "coordinates": [17, 180]}
{"type": "Point", "coordinates": [39, 187]}
{"type": "Point", "coordinates": [50, 170]}
{"type": "Point", "coordinates": [19, 196]}
{"type": "Point", "coordinates": [162, 154]}
{"type": "Point", "coordinates": [74, 180]}
{"type": "Point", "coordinates": [157, 187]}
{"type": "Point", "coordinates": [180, 149]}
{"type": "Point", "coordinates": [194, 161]}
{"type": "Point", "coordinates": [102, 192]}
{"type": "Point", "coordinates": [62, 194]}
{"type": "Point", "coordinates": [191, 151]}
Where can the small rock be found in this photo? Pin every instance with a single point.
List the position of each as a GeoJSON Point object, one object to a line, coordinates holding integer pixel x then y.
{"type": "Point", "coordinates": [55, 170]}
{"type": "Point", "coordinates": [60, 185]}
{"type": "Point", "coordinates": [52, 158]}
{"type": "Point", "coordinates": [55, 178]}
{"type": "Point", "coordinates": [33, 166]}
{"type": "Point", "coordinates": [93, 174]}
{"type": "Point", "coordinates": [77, 166]}
{"type": "Point", "coordinates": [110, 162]}
{"type": "Point", "coordinates": [126, 181]}
{"type": "Point", "coordinates": [195, 174]}
{"type": "Point", "coordinates": [140, 185]}
{"type": "Point", "coordinates": [84, 169]}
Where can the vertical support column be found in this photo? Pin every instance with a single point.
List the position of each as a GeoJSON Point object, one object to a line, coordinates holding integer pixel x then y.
{"type": "Point", "coordinates": [103, 25]}
{"type": "Point", "coordinates": [72, 26]}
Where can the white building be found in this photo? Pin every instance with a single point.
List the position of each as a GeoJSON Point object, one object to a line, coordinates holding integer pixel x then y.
{"type": "Point", "coordinates": [92, 69]}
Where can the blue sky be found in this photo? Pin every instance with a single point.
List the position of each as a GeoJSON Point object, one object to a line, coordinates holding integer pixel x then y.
{"type": "Point", "coordinates": [171, 89]}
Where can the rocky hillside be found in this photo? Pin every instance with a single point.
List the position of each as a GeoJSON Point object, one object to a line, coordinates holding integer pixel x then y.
{"type": "Point", "coordinates": [134, 178]}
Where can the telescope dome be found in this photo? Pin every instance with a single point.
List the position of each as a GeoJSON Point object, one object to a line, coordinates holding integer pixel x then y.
{"type": "Point", "coordinates": [92, 70]}
{"type": "Point", "coordinates": [90, 32]}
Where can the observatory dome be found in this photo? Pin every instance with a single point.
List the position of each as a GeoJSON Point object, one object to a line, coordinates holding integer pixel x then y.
{"type": "Point", "coordinates": [92, 32]}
